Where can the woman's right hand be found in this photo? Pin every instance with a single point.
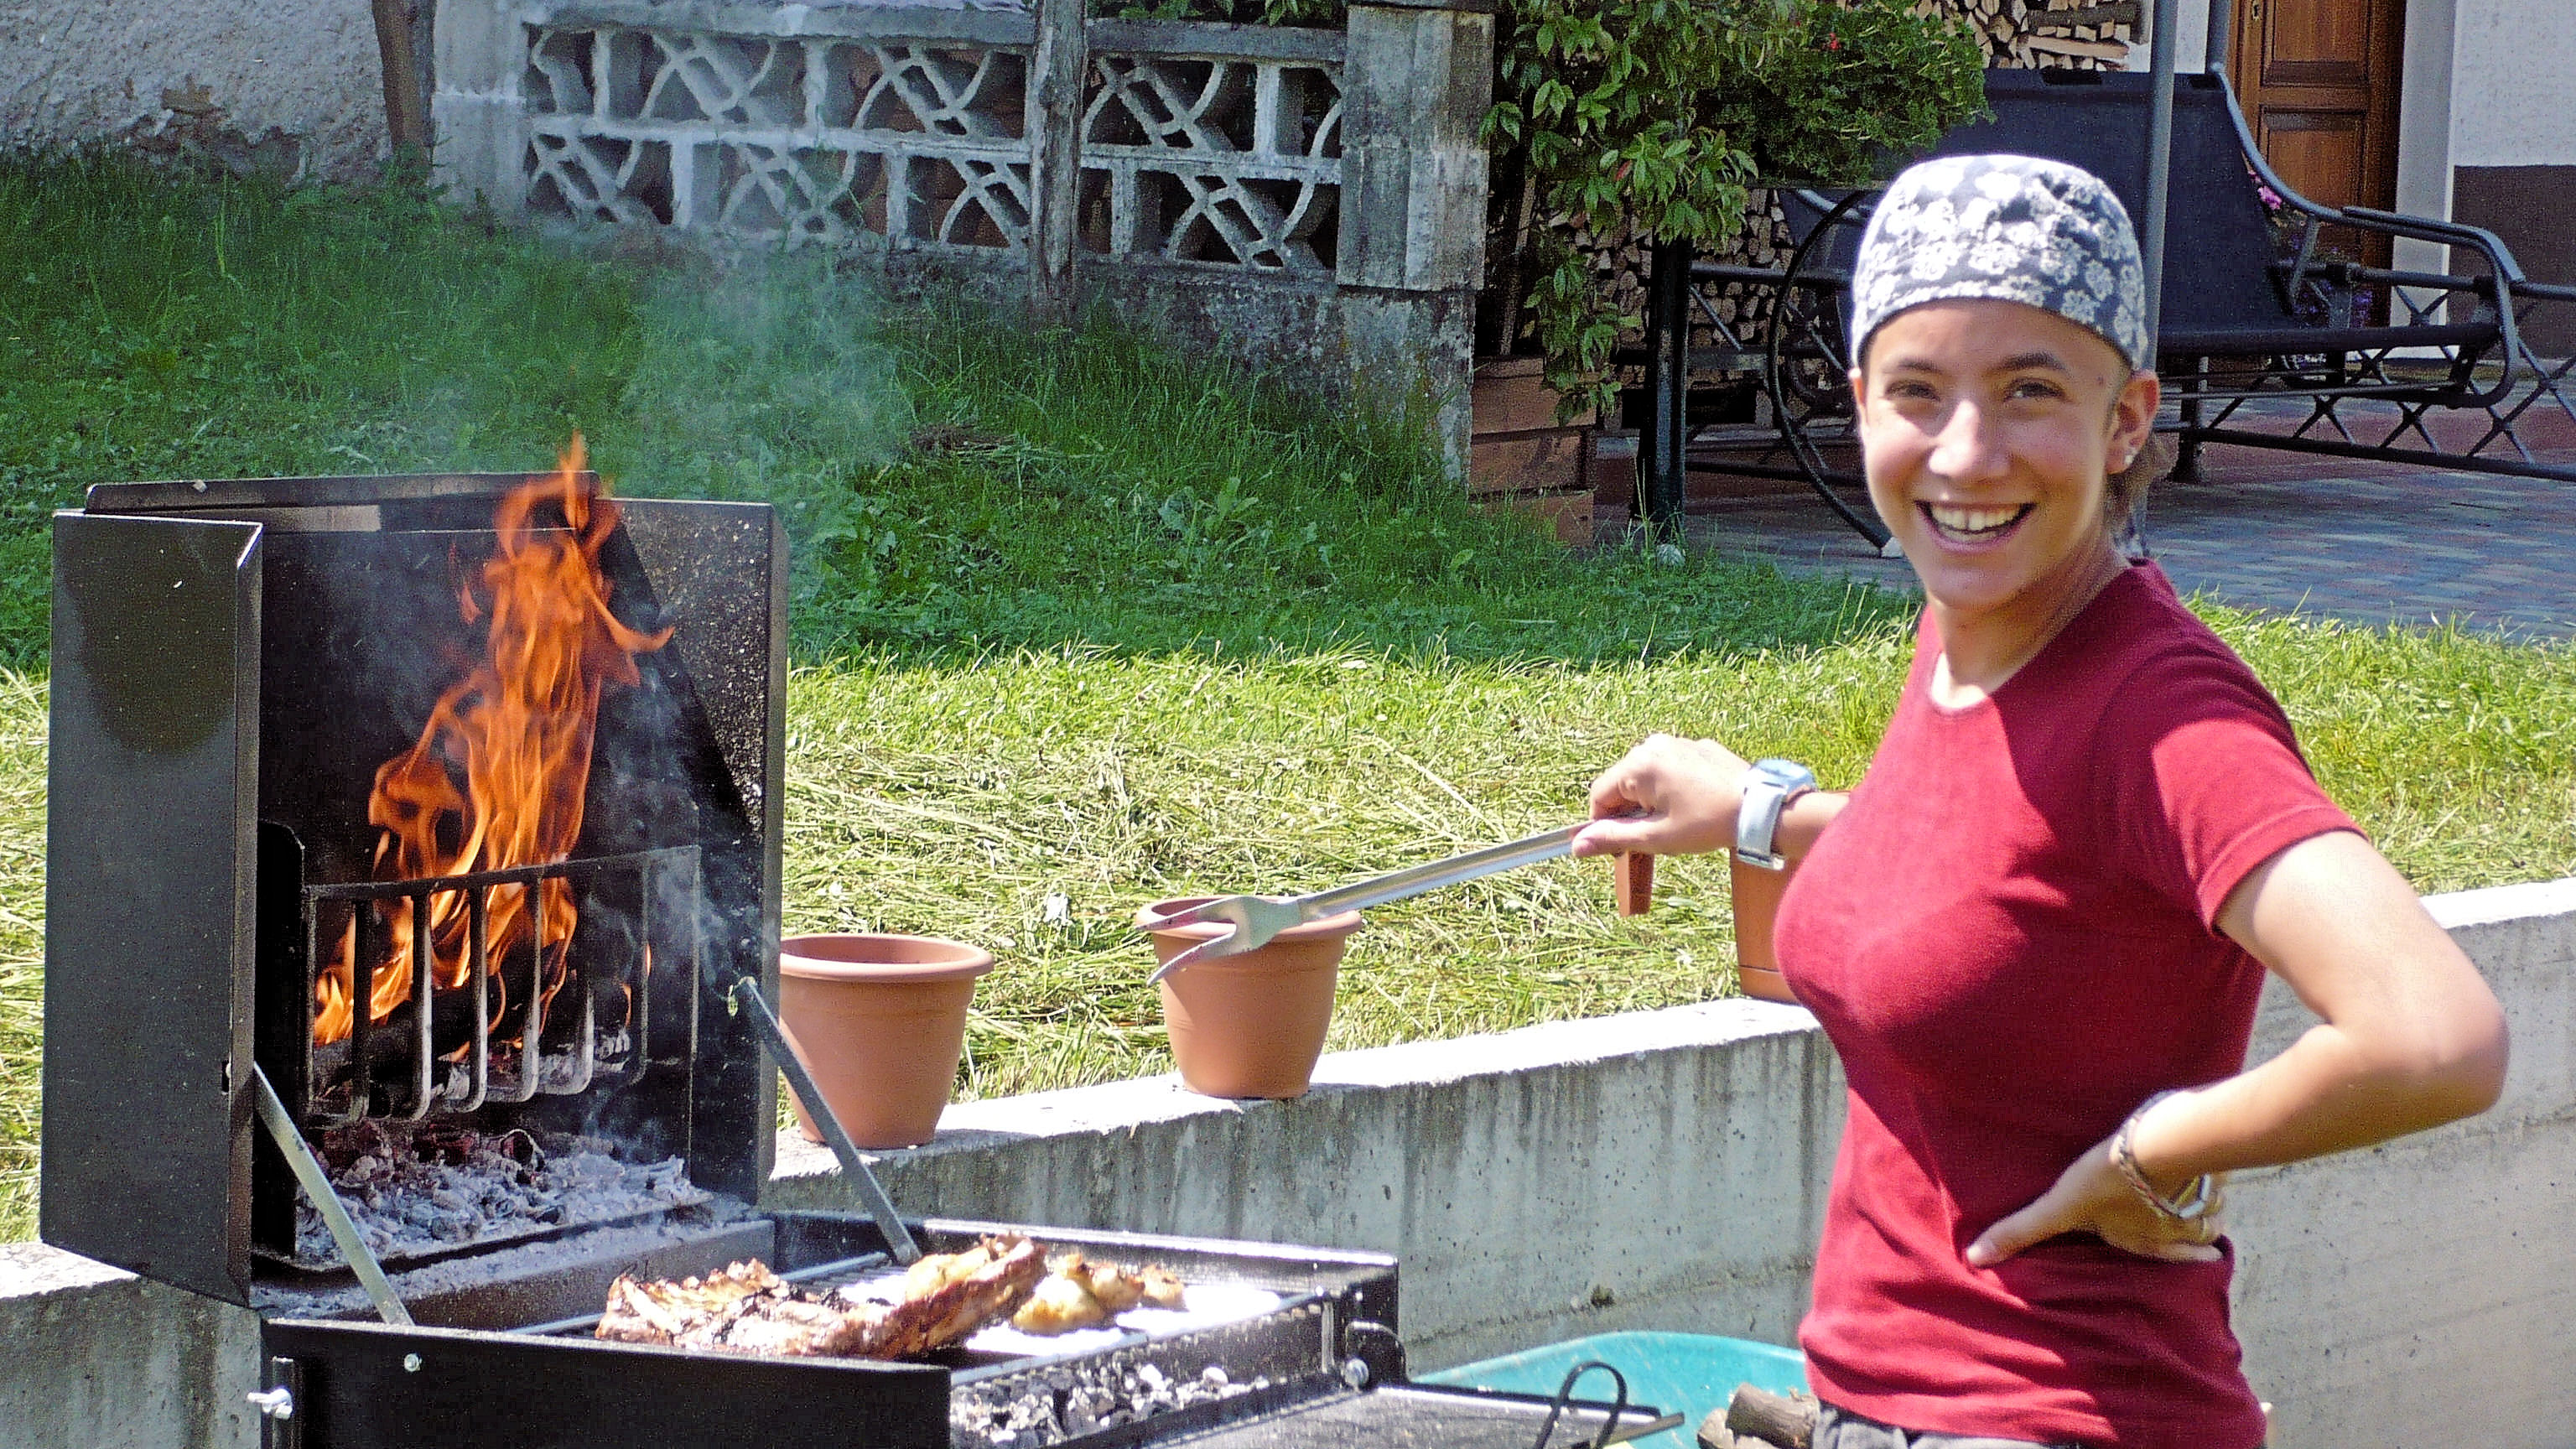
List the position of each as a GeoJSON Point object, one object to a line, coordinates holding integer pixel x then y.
{"type": "Point", "coordinates": [1668, 796]}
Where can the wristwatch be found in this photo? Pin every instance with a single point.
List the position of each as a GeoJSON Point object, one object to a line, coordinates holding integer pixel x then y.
{"type": "Point", "coordinates": [1768, 788]}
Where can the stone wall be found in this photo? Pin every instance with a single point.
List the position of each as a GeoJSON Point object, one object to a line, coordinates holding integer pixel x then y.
{"type": "Point", "coordinates": [1295, 199]}
{"type": "Point", "coordinates": [289, 86]}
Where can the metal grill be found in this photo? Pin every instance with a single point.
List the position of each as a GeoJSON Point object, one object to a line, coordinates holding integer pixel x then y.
{"type": "Point", "coordinates": [669, 873]}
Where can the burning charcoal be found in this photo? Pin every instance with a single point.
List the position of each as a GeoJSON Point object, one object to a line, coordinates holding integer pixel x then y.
{"type": "Point", "coordinates": [1213, 1376]}
{"type": "Point", "coordinates": [1151, 1377]}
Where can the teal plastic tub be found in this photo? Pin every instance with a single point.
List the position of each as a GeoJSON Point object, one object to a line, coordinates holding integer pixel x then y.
{"type": "Point", "coordinates": [1688, 1374]}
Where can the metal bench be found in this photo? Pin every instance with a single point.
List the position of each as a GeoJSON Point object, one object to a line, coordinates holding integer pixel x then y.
{"type": "Point", "coordinates": [2254, 309]}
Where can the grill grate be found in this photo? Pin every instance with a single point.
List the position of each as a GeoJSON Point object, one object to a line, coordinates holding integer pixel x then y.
{"type": "Point", "coordinates": [669, 873]}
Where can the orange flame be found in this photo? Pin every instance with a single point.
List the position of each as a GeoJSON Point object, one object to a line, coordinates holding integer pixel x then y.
{"type": "Point", "coordinates": [501, 771]}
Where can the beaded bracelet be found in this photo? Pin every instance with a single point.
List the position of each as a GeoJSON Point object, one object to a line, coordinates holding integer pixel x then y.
{"type": "Point", "coordinates": [2200, 1198]}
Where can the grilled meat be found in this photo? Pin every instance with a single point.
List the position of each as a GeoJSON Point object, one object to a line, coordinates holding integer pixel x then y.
{"type": "Point", "coordinates": [1060, 1305]}
{"type": "Point", "coordinates": [748, 1309]}
{"type": "Point", "coordinates": [943, 1301]}
{"type": "Point", "coordinates": [1079, 1293]}
{"type": "Point", "coordinates": [641, 1311]}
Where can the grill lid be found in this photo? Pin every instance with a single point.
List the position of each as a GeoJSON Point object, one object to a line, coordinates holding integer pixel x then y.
{"type": "Point", "coordinates": [179, 608]}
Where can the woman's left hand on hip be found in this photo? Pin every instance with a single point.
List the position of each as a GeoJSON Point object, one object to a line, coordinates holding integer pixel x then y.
{"type": "Point", "coordinates": [2091, 1196]}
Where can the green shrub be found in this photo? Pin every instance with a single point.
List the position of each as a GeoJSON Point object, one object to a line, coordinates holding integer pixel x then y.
{"type": "Point", "coordinates": [1654, 118]}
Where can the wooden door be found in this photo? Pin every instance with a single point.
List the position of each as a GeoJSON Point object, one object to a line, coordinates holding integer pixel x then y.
{"type": "Point", "coordinates": [2318, 81]}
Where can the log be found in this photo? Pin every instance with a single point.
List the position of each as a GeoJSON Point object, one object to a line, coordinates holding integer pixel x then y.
{"type": "Point", "coordinates": [1054, 121]}
{"type": "Point", "coordinates": [1757, 1419]}
{"type": "Point", "coordinates": [406, 103]}
{"type": "Point", "coordinates": [2089, 49]}
{"type": "Point", "coordinates": [2116, 13]}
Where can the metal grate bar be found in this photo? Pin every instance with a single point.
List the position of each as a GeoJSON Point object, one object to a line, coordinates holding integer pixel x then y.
{"type": "Point", "coordinates": [479, 1084]}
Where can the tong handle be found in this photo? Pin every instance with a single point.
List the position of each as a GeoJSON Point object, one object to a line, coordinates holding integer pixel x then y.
{"type": "Point", "coordinates": [1632, 882]}
{"type": "Point", "coordinates": [1456, 870]}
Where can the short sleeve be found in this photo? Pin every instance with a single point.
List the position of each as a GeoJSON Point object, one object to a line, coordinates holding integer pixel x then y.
{"type": "Point", "coordinates": [2204, 779]}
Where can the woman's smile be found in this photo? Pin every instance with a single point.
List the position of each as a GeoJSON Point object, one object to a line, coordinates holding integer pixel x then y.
{"type": "Point", "coordinates": [1973, 527]}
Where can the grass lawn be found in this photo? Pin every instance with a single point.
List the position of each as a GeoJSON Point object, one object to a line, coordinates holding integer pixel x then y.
{"type": "Point", "coordinates": [1079, 623]}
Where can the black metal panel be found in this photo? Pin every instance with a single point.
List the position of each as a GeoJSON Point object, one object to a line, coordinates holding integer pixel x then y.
{"type": "Point", "coordinates": [371, 1387]}
{"type": "Point", "coordinates": [719, 574]}
{"type": "Point", "coordinates": [236, 497]}
{"type": "Point", "coordinates": [1407, 1417]}
{"type": "Point", "coordinates": [150, 856]}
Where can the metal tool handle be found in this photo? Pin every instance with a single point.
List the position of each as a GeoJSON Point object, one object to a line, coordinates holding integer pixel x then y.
{"type": "Point", "coordinates": [854, 1169]}
{"type": "Point", "coordinates": [1457, 869]}
{"type": "Point", "coordinates": [309, 1171]}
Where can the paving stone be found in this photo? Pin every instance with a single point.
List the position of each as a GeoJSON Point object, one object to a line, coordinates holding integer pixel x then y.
{"type": "Point", "coordinates": [2372, 545]}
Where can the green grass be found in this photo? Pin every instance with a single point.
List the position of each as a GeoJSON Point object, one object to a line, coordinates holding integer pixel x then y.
{"type": "Point", "coordinates": [1079, 623]}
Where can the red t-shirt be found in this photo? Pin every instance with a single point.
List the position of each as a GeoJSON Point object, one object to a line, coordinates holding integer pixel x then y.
{"type": "Point", "coordinates": [2007, 936]}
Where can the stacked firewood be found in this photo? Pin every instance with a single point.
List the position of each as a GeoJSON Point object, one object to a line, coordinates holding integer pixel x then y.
{"type": "Point", "coordinates": [2045, 34]}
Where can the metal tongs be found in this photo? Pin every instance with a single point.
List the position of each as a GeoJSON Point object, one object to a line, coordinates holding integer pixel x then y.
{"type": "Point", "coordinates": [1256, 919]}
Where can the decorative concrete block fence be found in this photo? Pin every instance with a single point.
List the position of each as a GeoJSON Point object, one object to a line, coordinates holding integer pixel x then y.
{"type": "Point", "coordinates": [1306, 199]}
{"type": "Point", "coordinates": [1664, 1170]}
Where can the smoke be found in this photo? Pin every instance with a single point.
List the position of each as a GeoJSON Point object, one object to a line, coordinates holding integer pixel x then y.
{"type": "Point", "coordinates": [764, 382]}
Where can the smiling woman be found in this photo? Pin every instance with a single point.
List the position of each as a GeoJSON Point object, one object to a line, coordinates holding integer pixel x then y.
{"type": "Point", "coordinates": [1989, 429]}
{"type": "Point", "coordinates": [2037, 929]}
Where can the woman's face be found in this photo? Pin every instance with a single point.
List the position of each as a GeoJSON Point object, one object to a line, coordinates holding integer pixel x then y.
{"type": "Point", "coordinates": [1989, 429]}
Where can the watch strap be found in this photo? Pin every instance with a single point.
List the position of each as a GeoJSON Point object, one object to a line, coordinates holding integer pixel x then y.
{"type": "Point", "coordinates": [1768, 788]}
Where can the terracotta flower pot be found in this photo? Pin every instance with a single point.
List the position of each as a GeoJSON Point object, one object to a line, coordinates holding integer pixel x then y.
{"type": "Point", "coordinates": [880, 1021]}
{"type": "Point", "coordinates": [1757, 911]}
{"type": "Point", "coordinates": [1249, 1025]}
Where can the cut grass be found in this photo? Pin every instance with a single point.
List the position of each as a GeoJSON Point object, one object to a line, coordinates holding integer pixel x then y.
{"type": "Point", "coordinates": [1079, 624]}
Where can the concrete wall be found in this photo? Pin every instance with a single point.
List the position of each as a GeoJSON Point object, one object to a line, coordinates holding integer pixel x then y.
{"type": "Point", "coordinates": [293, 86]}
{"type": "Point", "coordinates": [100, 1359]}
{"type": "Point", "coordinates": [1665, 1169]}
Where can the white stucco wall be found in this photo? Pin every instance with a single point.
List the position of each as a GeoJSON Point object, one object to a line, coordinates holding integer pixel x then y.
{"type": "Point", "coordinates": [2513, 83]}
{"type": "Point", "coordinates": [84, 70]}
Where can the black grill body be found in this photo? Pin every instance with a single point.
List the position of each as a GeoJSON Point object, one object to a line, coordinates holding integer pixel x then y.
{"type": "Point", "coordinates": [232, 661]}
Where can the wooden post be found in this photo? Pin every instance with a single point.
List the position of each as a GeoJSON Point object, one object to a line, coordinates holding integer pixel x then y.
{"type": "Point", "coordinates": [406, 97]}
{"type": "Point", "coordinates": [1056, 71]}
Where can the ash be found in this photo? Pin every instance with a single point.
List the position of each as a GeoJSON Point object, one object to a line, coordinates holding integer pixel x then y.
{"type": "Point", "coordinates": [1078, 1399]}
{"type": "Point", "coordinates": [414, 1190]}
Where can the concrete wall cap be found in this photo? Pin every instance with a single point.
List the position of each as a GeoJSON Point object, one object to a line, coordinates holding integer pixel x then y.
{"type": "Point", "coordinates": [34, 1270]}
{"type": "Point", "coordinates": [1470, 7]}
{"type": "Point", "coordinates": [2497, 904]}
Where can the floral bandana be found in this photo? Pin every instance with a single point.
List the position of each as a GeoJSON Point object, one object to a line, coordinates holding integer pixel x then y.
{"type": "Point", "coordinates": [2013, 228]}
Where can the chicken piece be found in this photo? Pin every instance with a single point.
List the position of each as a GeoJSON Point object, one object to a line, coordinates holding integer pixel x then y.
{"type": "Point", "coordinates": [748, 1309]}
{"type": "Point", "coordinates": [1060, 1305]}
{"type": "Point", "coordinates": [1079, 1293]}
{"type": "Point", "coordinates": [1117, 1289]}
{"type": "Point", "coordinates": [661, 1312]}
{"type": "Point", "coordinates": [929, 1274]}
{"type": "Point", "coordinates": [1162, 1287]}
{"type": "Point", "coordinates": [793, 1327]}
{"type": "Point", "coordinates": [1004, 1276]}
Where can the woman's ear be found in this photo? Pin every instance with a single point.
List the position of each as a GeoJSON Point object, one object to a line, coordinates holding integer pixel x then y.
{"type": "Point", "coordinates": [2133, 417]}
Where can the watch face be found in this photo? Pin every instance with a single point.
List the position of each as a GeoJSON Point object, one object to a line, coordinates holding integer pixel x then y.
{"type": "Point", "coordinates": [1787, 774]}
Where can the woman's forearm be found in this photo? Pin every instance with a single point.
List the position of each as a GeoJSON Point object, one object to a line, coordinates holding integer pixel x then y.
{"type": "Point", "coordinates": [1804, 822]}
